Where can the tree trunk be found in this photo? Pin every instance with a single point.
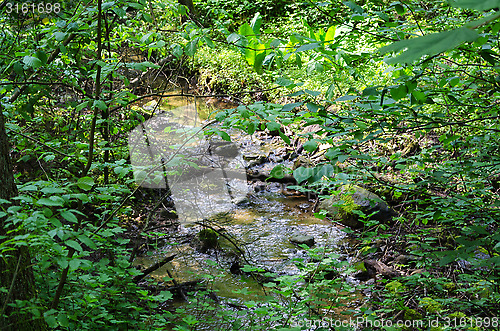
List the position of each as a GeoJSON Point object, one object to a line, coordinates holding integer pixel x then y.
{"type": "Point", "coordinates": [16, 274]}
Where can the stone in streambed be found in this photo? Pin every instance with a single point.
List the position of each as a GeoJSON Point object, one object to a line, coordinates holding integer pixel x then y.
{"type": "Point", "coordinates": [302, 239]}
{"type": "Point", "coordinates": [351, 197]}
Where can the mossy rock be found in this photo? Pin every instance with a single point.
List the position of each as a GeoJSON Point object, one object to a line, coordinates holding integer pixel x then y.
{"type": "Point", "coordinates": [412, 315]}
{"type": "Point", "coordinates": [395, 287]}
{"type": "Point", "coordinates": [430, 305]}
{"type": "Point", "coordinates": [353, 198]}
{"type": "Point", "coordinates": [208, 239]}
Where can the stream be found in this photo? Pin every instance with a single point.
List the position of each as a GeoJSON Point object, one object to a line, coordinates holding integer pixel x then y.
{"type": "Point", "coordinates": [259, 218]}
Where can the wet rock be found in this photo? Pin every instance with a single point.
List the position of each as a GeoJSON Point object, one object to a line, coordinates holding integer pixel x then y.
{"type": "Point", "coordinates": [229, 150]}
{"type": "Point", "coordinates": [299, 239]}
{"type": "Point", "coordinates": [351, 197]}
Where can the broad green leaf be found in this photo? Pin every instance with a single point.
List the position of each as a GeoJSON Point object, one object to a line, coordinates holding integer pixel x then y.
{"type": "Point", "coordinates": [60, 36]}
{"type": "Point", "coordinates": [361, 125]}
{"type": "Point", "coordinates": [108, 4]}
{"type": "Point", "coordinates": [480, 5]}
{"type": "Point", "coordinates": [209, 42]}
{"type": "Point", "coordinates": [255, 23]}
{"type": "Point", "coordinates": [87, 241]}
{"type": "Point", "coordinates": [307, 47]}
{"type": "Point", "coordinates": [52, 190]}
{"type": "Point", "coordinates": [32, 62]}
{"type": "Point", "coordinates": [325, 170]}
{"type": "Point", "coordinates": [278, 171]}
{"type": "Point", "coordinates": [399, 92]}
{"type": "Point", "coordinates": [73, 244]}
{"type": "Point", "coordinates": [330, 92]}
{"type": "Point", "coordinates": [42, 56]}
{"type": "Point", "coordinates": [431, 44]}
{"type": "Point", "coordinates": [146, 37]}
{"type": "Point", "coordinates": [74, 264]}
{"type": "Point", "coordinates": [69, 216]}
{"type": "Point", "coordinates": [347, 98]}
{"type": "Point", "coordinates": [191, 47]}
{"type": "Point", "coordinates": [50, 318]}
{"type": "Point", "coordinates": [310, 145]}
{"type": "Point", "coordinates": [100, 104]}
{"type": "Point", "coordinates": [81, 196]}
{"type": "Point", "coordinates": [52, 201]}
{"type": "Point", "coordinates": [85, 183]}
{"type": "Point", "coordinates": [330, 34]}
{"type": "Point", "coordinates": [120, 12]}
{"type": "Point", "coordinates": [273, 126]}
{"type": "Point", "coordinates": [332, 153]}
{"type": "Point", "coordinates": [143, 66]}
{"type": "Point", "coordinates": [291, 106]}
{"type": "Point", "coordinates": [301, 174]}
{"type": "Point", "coordinates": [251, 128]}
{"type": "Point", "coordinates": [247, 31]}
{"type": "Point", "coordinates": [260, 55]}
{"type": "Point", "coordinates": [312, 107]}
{"type": "Point", "coordinates": [400, 9]}
{"type": "Point", "coordinates": [224, 135]}
{"type": "Point", "coordinates": [284, 137]}
{"type": "Point", "coordinates": [282, 81]}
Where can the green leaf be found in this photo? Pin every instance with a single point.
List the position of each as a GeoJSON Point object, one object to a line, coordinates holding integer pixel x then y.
{"type": "Point", "coordinates": [330, 92]}
{"type": "Point", "coordinates": [480, 5]}
{"type": "Point", "coordinates": [251, 128]}
{"type": "Point", "coordinates": [291, 106]}
{"type": "Point", "coordinates": [400, 9]}
{"type": "Point", "coordinates": [42, 56]}
{"type": "Point", "coordinates": [256, 23]}
{"type": "Point", "coordinates": [285, 138]}
{"type": "Point", "coordinates": [73, 244]}
{"type": "Point", "coordinates": [50, 318]}
{"type": "Point", "coordinates": [52, 201]}
{"type": "Point", "coordinates": [32, 62]}
{"type": "Point", "coordinates": [247, 31]}
{"type": "Point", "coordinates": [87, 241]}
{"type": "Point", "coordinates": [191, 47]}
{"type": "Point", "coordinates": [310, 145]}
{"type": "Point", "coordinates": [307, 47]}
{"type": "Point", "coordinates": [69, 216]}
{"type": "Point", "coordinates": [278, 171]}
{"type": "Point", "coordinates": [60, 36]}
{"type": "Point", "coordinates": [273, 126]}
{"type": "Point", "coordinates": [224, 135]}
{"type": "Point", "coordinates": [301, 174]}
{"type": "Point", "coordinates": [145, 38]}
{"type": "Point", "coordinates": [399, 92]}
{"type": "Point", "coordinates": [325, 170]}
{"type": "Point", "coordinates": [431, 44]}
{"type": "Point", "coordinates": [282, 81]}
{"type": "Point", "coordinates": [52, 190]}
{"type": "Point", "coordinates": [85, 183]}
{"type": "Point", "coordinates": [347, 98]}
{"type": "Point", "coordinates": [330, 34]}
{"type": "Point", "coordinates": [100, 104]}
{"type": "Point", "coordinates": [142, 66]}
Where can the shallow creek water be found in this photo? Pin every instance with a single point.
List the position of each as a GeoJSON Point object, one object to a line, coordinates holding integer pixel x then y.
{"type": "Point", "coordinates": [261, 224]}
{"type": "Point", "coordinates": [262, 227]}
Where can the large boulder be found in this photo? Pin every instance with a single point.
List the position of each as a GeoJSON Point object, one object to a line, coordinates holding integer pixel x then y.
{"type": "Point", "coordinates": [351, 197]}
